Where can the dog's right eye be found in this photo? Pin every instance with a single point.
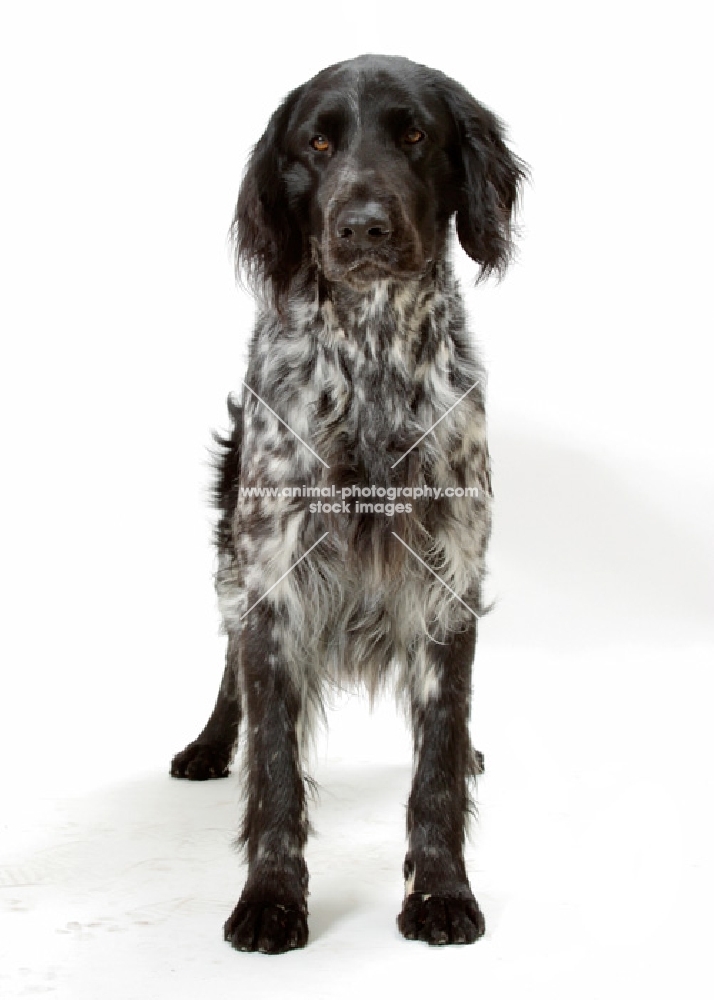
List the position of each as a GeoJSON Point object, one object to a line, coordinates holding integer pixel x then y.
{"type": "Point", "coordinates": [320, 143]}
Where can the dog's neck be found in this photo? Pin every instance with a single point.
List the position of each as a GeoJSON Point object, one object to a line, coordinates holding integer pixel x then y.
{"type": "Point", "coordinates": [387, 312]}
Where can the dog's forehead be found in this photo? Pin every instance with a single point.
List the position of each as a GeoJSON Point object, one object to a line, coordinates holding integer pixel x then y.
{"type": "Point", "coordinates": [364, 87]}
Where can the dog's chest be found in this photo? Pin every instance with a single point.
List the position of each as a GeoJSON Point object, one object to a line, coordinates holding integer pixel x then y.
{"type": "Point", "coordinates": [355, 396]}
{"type": "Point", "coordinates": [387, 407]}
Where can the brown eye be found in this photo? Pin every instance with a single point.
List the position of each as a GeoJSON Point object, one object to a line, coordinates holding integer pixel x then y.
{"type": "Point", "coordinates": [320, 143]}
{"type": "Point", "coordinates": [413, 136]}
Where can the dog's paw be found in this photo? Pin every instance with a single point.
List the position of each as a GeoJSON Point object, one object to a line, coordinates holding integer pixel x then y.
{"type": "Point", "coordinates": [200, 761]}
{"type": "Point", "coordinates": [267, 926]}
{"type": "Point", "coordinates": [441, 919]}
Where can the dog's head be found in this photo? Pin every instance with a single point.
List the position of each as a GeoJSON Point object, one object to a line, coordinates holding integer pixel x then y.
{"type": "Point", "coordinates": [360, 170]}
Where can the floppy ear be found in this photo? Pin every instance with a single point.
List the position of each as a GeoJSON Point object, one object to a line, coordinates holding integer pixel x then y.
{"type": "Point", "coordinates": [268, 240]}
{"type": "Point", "coordinates": [489, 177]}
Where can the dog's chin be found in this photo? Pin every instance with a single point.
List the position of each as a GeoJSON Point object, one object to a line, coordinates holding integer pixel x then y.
{"type": "Point", "coordinates": [366, 273]}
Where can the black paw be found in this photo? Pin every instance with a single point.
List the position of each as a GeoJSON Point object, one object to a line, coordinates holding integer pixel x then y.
{"type": "Point", "coordinates": [200, 761]}
{"type": "Point", "coordinates": [440, 919]}
{"type": "Point", "coordinates": [268, 926]}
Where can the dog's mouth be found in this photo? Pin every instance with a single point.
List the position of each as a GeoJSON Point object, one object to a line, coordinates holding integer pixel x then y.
{"type": "Point", "coordinates": [363, 269]}
{"type": "Point", "coordinates": [370, 269]}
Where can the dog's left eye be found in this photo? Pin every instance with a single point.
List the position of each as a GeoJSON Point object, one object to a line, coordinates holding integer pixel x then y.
{"type": "Point", "coordinates": [320, 143]}
{"type": "Point", "coordinates": [413, 135]}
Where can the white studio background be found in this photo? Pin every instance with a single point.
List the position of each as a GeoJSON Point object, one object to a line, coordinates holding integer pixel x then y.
{"type": "Point", "coordinates": [125, 129]}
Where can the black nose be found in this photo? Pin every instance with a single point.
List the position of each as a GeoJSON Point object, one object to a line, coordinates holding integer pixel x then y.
{"type": "Point", "coordinates": [363, 225]}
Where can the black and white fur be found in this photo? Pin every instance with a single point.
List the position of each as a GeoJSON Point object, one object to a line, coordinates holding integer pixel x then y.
{"type": "Point", "coordinates": [360, 346]}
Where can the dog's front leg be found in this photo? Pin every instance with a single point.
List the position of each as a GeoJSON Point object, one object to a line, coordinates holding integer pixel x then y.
{"type": "Point", "coordinates": [439, 906]}
{"type": "Point", "coordinates": [271, 915]}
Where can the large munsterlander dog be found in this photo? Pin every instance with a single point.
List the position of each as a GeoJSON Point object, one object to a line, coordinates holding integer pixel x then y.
{"type": "Point", "coordinates": [361, 374]}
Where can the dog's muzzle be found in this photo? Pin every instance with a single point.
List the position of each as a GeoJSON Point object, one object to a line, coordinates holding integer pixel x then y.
{"type": "Point", "coordinates": [369, 238]}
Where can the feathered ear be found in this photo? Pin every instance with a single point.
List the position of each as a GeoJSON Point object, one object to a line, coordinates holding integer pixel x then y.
{"type": "Point", "coordinates": [490, 178]}
{"type": "Point", "coordinates": [267, 238]}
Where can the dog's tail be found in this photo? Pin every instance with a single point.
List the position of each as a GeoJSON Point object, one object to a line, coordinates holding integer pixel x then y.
{"type": "Point", "coordinates": [226, 463]}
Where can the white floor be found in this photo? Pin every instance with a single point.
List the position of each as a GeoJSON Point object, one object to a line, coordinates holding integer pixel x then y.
{"type": "Point", "coordinates": [589, 857]}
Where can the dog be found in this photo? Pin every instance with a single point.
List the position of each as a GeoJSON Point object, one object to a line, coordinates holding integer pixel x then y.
{"type": "Point", "coordinates": [354, 489]}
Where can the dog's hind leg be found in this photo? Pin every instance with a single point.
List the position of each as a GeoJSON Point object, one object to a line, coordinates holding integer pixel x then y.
{"type": "Point", "coordinates": [439, 906]}
{"type": "Point", "coordinates": [211, 753]}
